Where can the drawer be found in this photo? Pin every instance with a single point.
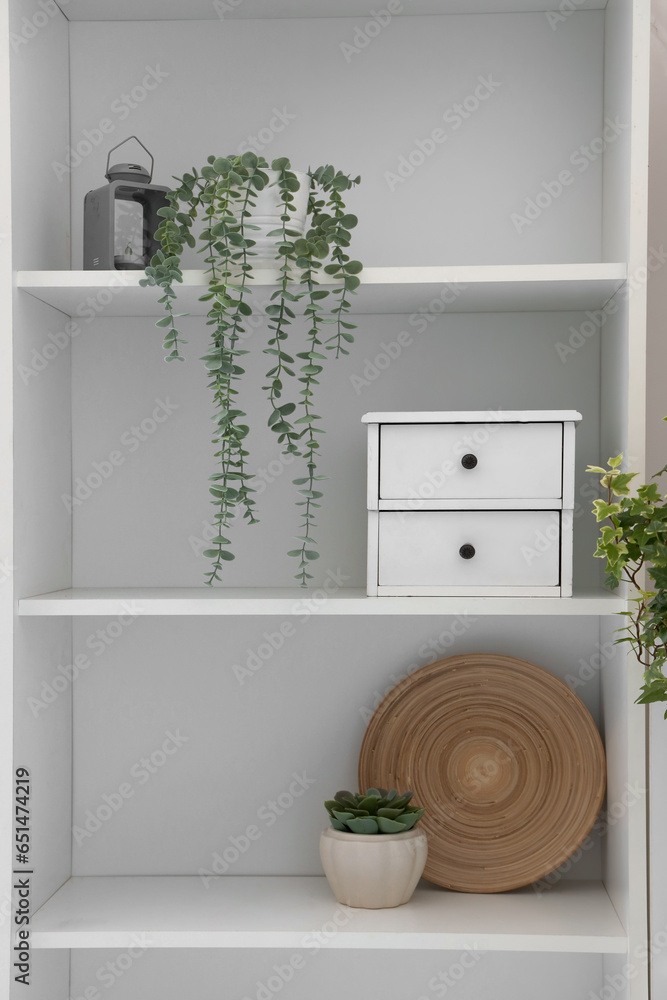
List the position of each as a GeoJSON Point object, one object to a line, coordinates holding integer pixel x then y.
{"type": "Point", "coordinates": [469, 461]}
{"type": "Point", "coordinates": [469, 549]}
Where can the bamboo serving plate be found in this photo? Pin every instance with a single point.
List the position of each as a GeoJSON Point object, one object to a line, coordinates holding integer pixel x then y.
{"type": "Point", "coordinates": [505, 758]}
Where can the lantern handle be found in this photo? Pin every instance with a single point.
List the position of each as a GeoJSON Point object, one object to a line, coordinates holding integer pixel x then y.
{"type": "Point", "coordinates": [136, 139]}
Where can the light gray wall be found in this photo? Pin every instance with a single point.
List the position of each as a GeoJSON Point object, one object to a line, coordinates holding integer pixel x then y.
{"type": "Point", "coordinates": [154, 506]}
{"type": "Point", "coordinates": [250, 716]}
{"type": "Point", "coordinates": [400, 975]}
{"type": "Point", "coordinates": [387, 97]}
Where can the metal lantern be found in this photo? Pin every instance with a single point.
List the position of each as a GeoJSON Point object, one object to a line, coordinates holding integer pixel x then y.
{"type": "Point", "coordinates": [120, 219]}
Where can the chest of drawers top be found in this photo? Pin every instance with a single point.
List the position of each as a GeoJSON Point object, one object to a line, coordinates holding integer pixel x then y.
{"type": "Point", "coordinates": [474, 456]}
{"type": "Point", "coordinates": [473, 417]}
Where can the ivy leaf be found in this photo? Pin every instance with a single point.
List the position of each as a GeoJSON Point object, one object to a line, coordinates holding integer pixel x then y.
{"type": "Point", "coordinates": [620, 483]}
{"type": "Point", "coordinates": [603, 510]}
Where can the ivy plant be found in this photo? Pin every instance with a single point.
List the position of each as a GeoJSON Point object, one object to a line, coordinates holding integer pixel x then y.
{"type": "Point", "coordinates": [633, 542]}
{"type": "Point", "coordinates": [211, 210]}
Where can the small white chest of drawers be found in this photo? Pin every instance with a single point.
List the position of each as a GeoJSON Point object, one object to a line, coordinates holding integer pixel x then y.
{"type": "Point", "coordinates": [475, 503]}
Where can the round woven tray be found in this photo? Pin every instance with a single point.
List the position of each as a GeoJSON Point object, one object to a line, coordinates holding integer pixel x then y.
{"type": "Point", "coordinates": [504, 756]}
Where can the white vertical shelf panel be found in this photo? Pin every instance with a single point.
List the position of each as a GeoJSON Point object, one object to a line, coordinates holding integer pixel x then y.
{"type": "Point", "coordinates": [41, 456]}
{"type": "Point", "coordinates": [6, 515]}
{"type": "Point", "coordinates": [627, 44]}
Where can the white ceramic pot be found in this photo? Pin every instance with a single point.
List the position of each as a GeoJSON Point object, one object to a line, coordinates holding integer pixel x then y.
{"type": "Point", "coordinates": [267, 211]}
{"type": "Point", "coordinates": [373, 871]}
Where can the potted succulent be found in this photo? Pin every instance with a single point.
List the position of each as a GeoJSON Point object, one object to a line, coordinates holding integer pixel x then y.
{"type": "Point", "coordinates": [633, 541]}
{"type": "Point", "coordinates": [237, 210]}
{"type": "Point", "coordinates": [372, 855]}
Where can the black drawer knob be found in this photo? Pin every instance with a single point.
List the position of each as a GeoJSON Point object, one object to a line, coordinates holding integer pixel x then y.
{"type": "Point", "coordinates": [467, 551]}
{"type": "Point", "coordinates": [469, 461]}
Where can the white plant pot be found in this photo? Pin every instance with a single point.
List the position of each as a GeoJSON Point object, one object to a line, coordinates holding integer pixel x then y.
{"type": "Point", "coordinates": [373, 871]}
{"type": "Point", "coordinates": [267, 211]}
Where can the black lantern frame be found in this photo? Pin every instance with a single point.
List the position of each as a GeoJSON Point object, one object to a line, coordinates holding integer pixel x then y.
{"type": "Point", "coordinates": [120, 219]}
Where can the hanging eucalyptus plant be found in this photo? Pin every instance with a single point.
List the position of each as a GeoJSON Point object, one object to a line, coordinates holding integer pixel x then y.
{"type": "Point", "coordinates": [223, 194]}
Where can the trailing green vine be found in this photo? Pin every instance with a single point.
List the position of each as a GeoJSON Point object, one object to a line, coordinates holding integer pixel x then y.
{"type": "Point", "coordinates": [223, 194]}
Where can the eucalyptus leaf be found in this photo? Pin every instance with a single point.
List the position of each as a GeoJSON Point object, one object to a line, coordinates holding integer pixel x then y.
{"type": "Point", "coordinates": [223, 192]}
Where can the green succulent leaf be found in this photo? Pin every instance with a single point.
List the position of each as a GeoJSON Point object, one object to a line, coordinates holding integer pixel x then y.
{"type": "Point", "coordinates": [408, 820]}
{"type": "Point", "coordinates": [390, 825]}
{"type": "Point", "coordinates": [363, 824]}
{"type": "Point", "coordinates": [371, 812]}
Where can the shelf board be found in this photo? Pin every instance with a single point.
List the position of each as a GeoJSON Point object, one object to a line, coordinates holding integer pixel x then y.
{"type": "Point", "coordinates": [197, 10]}
{"type": "Point", "coordinates": [384, 290]}
{"type": "Point", "coordinates": [298, 912]}
{"type": "Point", "coordinates": [297, 602]}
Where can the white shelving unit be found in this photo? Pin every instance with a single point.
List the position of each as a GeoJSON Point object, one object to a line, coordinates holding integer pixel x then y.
{"type": "Point", "coordinates": [471, 299]}
{"type": "Point", "coordinates": [294, 601]}
{"type": "Point", "coordinates": [247, 912]}
{"type": "Point", "coordinates": [384, 290]}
